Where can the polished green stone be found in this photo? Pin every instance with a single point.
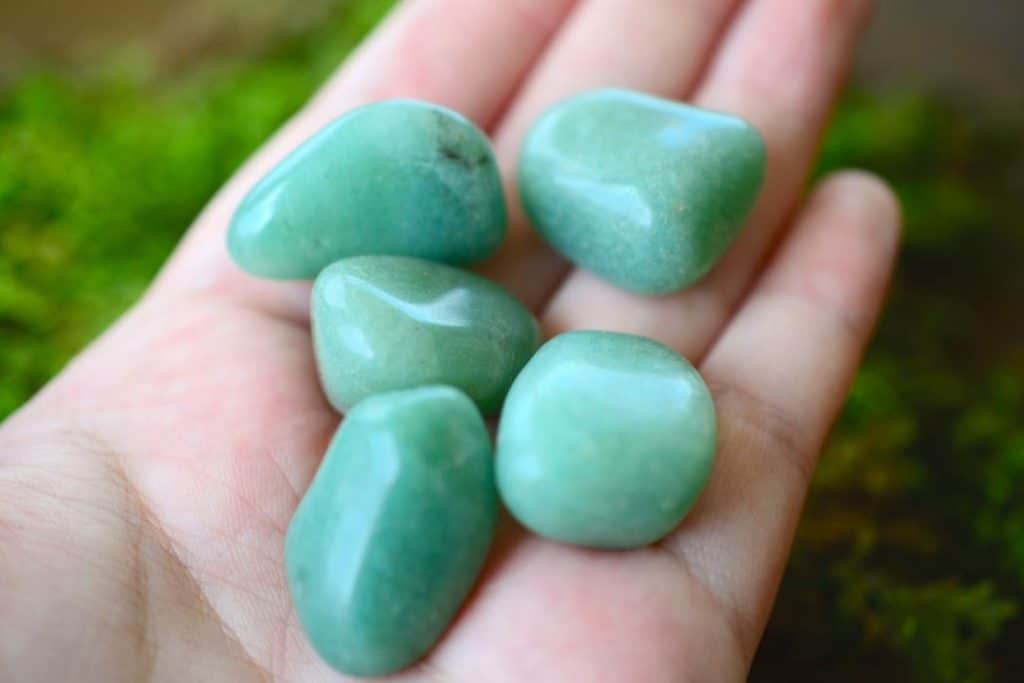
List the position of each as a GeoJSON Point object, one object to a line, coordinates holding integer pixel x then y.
{"type": "Point", "coordinates": [644, 192]}
{"type": "Point", "coordinates": [392, 533]}
{"type": "Point", "coordinates": [397, 177]}
{"type": "Point", "coordinates": [389, 322]}
{"type": "Point", "coordinates": [605, 440]}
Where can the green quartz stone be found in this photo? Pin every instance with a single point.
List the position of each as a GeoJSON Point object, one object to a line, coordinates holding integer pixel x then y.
{"type": "Point", "coordinates": [388, 322]}
{"type": "Point", "coordinates": [644, 192]}
{"type": "Point", "coordinates": [394, 529]}
{"type": "Point", "coordinates": [605, 440]}
{"type": "Point", "coordinates": [397, 177]}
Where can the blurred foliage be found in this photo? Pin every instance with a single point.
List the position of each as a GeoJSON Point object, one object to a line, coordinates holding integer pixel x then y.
{"type": "Point", "coordinates": [100, 175]}
{"type": "Point", "coordinates": [910, 561]}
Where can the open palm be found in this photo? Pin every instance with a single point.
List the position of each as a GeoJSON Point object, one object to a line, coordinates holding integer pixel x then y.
{"type": "Point", "coordinates": [144, 494]}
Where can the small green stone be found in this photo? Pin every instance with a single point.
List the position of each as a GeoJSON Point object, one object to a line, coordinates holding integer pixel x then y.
{"type": "Point", "coordinates": [605, 440]}
{"type": "Point", "coordinates": [394, 529]}
{"type": "Point", "coordinates": [397, 177]}
{"type": "Point", "coordinates": [388, 322]}
{"type": "Point", "coordinates": [644, 192]}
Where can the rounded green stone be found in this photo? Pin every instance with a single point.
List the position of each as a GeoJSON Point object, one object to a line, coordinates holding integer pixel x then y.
{"type": "Point", "coordinates": [396, 177]}
{"type": "Point", "coordinates": [392, 533]}
{"type": "Point", "coordinates": [605, 440]}
{"type": "Point", "coordinates": [644, 192]}
{"type": "Point", "coordinates": [387, 322]}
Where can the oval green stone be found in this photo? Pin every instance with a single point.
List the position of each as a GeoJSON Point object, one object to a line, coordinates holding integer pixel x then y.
{"type": "Point", "coordinates": [644, 192]}
{"type": "Point", "coordinates": [387, 322]}
{"type": "Point", "coordinates": [397, 177]}
{"type": "Point", "coordinates": [605, 440]}
{"type": "Point", "coordinates": [394, 529]}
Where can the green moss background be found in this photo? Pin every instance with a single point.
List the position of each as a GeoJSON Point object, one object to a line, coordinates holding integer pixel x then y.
{"type": "Point", "coordinates": [909, 564]}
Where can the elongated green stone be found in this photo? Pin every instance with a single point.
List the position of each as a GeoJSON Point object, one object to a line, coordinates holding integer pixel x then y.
{"type": "Point", "coordinates": [644, 192]}
{"type": "Point", "coordinates": [387, 322]}
{"type": "Point", "coordinates": [394, 529]}
{"type": "Point", "coordinates": [397, 177]}
{"type": "Point", "coordinates": [605, 440]}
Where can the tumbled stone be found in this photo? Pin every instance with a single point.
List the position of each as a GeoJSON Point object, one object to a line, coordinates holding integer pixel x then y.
{"type": "Point", "coordinates": [392, 533]}
{"type": "Point", "coordinates": [397, 177]}
{"type": "Point", "coordinates": [605, 440]}
{"type": "Point", "coordinates": [644, 192]}
{"type": "Point", "coordinates": [389, 322]}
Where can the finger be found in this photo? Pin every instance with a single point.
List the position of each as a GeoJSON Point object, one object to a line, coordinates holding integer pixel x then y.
{"type": "Point", "coordinates": [463, 54]}
{"type": "Point", "coordinates": [779, 67]}
{"type": "Point", "coordinates": [660, 49]}
{"type": "Point", "coordinates": [779, 375]}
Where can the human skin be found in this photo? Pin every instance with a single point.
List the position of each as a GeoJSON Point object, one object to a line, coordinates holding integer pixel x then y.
{"type": "Point", "coordinates": [145, 492]}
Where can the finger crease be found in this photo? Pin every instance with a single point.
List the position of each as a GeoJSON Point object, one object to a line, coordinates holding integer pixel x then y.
{"type": "Point", "coordinates": [752, 420]}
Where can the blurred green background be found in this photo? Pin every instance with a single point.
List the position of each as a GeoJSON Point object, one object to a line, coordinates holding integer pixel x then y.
{"type": "Point", "coordinates": [910, 560]}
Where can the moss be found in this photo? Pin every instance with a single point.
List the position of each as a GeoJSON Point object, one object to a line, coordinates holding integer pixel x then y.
{"type": "Point", "coordinates": [908, 563]}
{"type": "Point", "coordinates": [100, 176]}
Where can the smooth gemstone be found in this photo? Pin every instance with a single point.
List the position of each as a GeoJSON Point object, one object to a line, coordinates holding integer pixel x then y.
{"type": "Point", "coordinates": [388, 322]}
{"type": "Point", "coordinates": [397, 177]}
{"type": "Point", "coordinates": [643, 192]}
{"type": "Point", "coordinates": [394, 529]}
{"type": "Point", "coordinates": [605, 440]}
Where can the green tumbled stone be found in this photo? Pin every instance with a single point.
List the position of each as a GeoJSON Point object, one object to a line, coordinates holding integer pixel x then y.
{"type": "Point", "coordinates": [397, 177]}
{"type": "Point", "coordinates": [644, 192]}
{"type": "Point", "coordinates": [605, 440]}
{"type": "Point", "coordinates": [389, 322]}
{"type": "Point", "coordinates": [394, 529]}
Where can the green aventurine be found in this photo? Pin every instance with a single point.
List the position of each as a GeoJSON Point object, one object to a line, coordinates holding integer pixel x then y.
{"type": "Point", "coordinates": [644, 192]}
{"type": "Point", "coordinates": [394, 529]}
{"type": "Point", "coordinates": [397, 177]}
{"type": "Point", "coordinates": [388, 322]}
{"type": "Point", "coordinates": [605, 440]}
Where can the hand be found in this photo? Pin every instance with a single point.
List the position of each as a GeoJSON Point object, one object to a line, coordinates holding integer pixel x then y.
{"type": "Point", "coordinates": [147, 490]}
